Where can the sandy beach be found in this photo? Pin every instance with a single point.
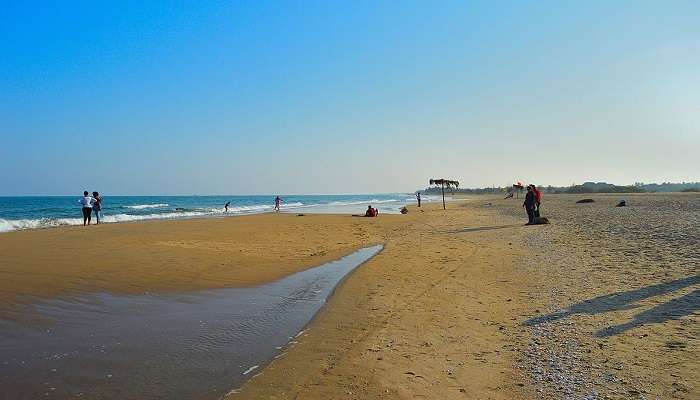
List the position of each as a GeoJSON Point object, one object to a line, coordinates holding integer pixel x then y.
{"type": "Point", "coordinates": [469, 304]}
{"type": "Point", "coordinates": [182, 255]}
{"type": "Point", "coordinates": [461, 304]}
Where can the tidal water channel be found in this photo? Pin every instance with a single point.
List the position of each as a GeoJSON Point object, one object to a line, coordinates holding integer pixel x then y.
{"type": "Point", "coordinates": [198, 345]}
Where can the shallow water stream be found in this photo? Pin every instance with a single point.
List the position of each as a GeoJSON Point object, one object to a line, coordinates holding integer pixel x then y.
{"type": "Point", "coordinates": [198, 345]}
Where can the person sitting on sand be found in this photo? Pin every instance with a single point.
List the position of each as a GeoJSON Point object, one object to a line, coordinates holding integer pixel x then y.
{"type": "Point", "coordinates": [530, 204]}
{"type": "Point", "coordinates": [371, 212]}
{"type": "Point", "coordinates": [86, 203]}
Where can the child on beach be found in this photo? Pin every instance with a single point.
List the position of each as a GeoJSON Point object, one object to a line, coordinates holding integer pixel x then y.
{"type": "Point", "coordinates": [97, 206]}
{"type": "Point", "coordinates": [86, 203]}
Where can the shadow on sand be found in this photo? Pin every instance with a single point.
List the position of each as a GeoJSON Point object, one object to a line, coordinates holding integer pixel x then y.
{"type": "Point", "coordinates": [484, 228]}
{"type": "Point", "coordinates": [673, 309]}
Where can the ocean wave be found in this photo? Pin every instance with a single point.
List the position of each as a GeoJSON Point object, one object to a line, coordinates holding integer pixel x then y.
{"type": "Point", "coordinates": [145, 206]}
{"type": "Point", "coordinates": [354, 203]}
{"type": "Point", "coordinates": [8, 225]}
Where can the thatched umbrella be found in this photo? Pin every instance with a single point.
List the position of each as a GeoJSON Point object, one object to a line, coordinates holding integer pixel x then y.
{"type": "Point", "coordinates": [518, 188]}
{"type": "Point", "coordinates": [444, 183]}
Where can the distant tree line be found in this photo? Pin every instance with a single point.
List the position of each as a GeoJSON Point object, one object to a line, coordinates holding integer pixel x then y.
{"type": "Point", "coordinates": [586, 187]}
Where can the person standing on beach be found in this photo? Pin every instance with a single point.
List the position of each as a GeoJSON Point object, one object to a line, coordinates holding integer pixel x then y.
{"type": "Point", "coordinates": [97, 206]}
{"type": "Point", "coordinates": [538, 200]}
{"type": "Point", "coordinates": [418, 198]}
{"type": "Point", "coordinates": [529, 204]}
{"type": "Point", "coordinates": [226, 206]}
{"type": "Point", "coordinates": [86, 203]}
{"type": "Point", "coordinates": [278, 200]}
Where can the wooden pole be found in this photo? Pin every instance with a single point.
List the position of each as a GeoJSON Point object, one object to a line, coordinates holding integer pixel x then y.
{"type": "Point", "coordinates": [443, 196]}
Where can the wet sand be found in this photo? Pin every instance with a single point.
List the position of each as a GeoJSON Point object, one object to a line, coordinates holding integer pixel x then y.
{"type": "Point", "coordinates": [161, 346]}
{"type": "Point", "coordinates": [461, 304]}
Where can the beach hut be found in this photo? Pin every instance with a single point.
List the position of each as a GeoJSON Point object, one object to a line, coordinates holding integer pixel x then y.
{"type": "Point", "coordinates": [443, 184]}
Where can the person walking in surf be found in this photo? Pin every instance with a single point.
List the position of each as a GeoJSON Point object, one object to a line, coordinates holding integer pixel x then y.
{"type": "Point", "coordinates": [226, 206]}
{"type": "Point", "coordinates": [278, 200]}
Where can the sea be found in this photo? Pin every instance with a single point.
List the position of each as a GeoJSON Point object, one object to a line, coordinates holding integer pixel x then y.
{"type": "Point", "coordinates": [18, 213]}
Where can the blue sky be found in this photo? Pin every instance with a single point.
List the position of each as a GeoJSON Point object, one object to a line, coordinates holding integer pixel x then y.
{"type": "Point", "coordinates": [353, 97]}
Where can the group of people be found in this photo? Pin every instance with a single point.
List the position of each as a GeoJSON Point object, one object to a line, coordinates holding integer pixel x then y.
{"type": "Point", "coordinates": [532, 202]}
{"type": "Point", "coordinates": [89, 205]}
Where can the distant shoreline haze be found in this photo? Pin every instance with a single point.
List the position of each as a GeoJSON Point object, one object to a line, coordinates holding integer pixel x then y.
{"type": "Point", "coordinates": [586, 187]}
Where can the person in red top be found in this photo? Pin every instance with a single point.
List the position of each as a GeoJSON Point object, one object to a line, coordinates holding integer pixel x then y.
{"type": "Point", "coordinates": [371, 212]}
{"type": "Point", "coordinates": [538, 199]}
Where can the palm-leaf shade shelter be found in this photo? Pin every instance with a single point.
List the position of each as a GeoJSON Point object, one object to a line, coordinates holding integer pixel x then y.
{"type": "Point", "coordinates": [444, 183]}
{"type": "Point", "coordinates": [518, 188]}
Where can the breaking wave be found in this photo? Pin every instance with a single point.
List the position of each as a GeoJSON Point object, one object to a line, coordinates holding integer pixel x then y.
{"type": "Point", "coordinates": [145, 206]}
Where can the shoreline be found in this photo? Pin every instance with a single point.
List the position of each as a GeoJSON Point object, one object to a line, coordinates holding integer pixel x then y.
{"type": "Point", "coordinates": [60, 211]}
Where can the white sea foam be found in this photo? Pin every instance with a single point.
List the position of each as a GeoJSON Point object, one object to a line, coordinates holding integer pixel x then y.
{"type": "Point", "coordinates": [145, 206]}
{"type": "Point", "coordinates": [251, 369]}
{"type": "Point", "coordinates": [7, 225]}
{"type": "Point", "coordinates": [354, 203]}
{"type": "Point", "coordinates": [20, 224]}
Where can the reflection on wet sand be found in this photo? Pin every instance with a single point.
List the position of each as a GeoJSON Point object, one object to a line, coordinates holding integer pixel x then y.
{"type": "Point", "coordinates": [196, 345]}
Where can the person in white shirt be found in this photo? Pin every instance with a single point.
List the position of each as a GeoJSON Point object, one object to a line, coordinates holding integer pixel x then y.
{"type": "Point", "coordinates": [86, 201]}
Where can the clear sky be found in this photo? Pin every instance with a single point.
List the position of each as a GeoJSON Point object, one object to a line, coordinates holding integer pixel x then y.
{"type": "Point", "coordinates": [325, 97]}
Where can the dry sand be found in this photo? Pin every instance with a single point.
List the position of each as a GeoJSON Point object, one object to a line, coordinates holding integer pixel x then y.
{"type": "Point", "coordinates": [462, 304]}
{"type": "Point", "coordinates": [620, 293]}
{"type": "Point", "coordinates": [433, 316]}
